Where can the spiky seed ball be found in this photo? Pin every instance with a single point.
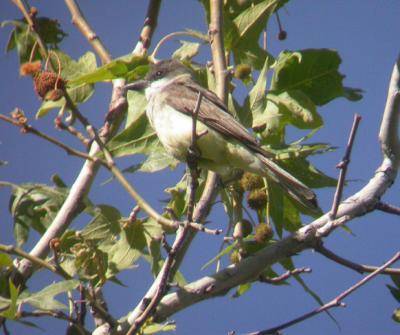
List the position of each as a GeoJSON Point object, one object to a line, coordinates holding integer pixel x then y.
{"type": "Point", "coordinates": [282, 35]}
{"type": "Point", "coordinates": [235, 257]}
{"type": "Point", "coordinates": [257, 199]}
{"type": "Point", "coordinates": [251, 181]}
{"type": "Point", "coordinates": [30, 68]}
{"type": "Point", "coordinates": [46, 81]}
{"type": "Point", "coordinates": [263, 233]}
{"type": "Point", "coordinates": [242, 229]}
{"type": "Point", "coordinates": [242, 71]}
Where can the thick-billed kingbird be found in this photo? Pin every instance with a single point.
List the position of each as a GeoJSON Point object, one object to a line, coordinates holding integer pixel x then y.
{"type": "Point", "coordinates": [172, 94]}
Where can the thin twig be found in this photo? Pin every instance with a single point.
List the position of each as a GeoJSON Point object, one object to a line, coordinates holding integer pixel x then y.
{"type": "Point", "coordinates": [80, 22]}
{"type": "Point", "coordinates": [360, 268]}
{"type": "Point", "coordinates": [284, 276]}
{"type": "Point", "coordinates": [59, 124]}
{"type": "Point", "coordinates": [343, 168]}
{"type": "Point", "coordinates": [26, 128]}
{"type": "Point", "coordinates": [53, 313]}
{"type": "Point", "coordinates": [336, 302]}
{"type": "Point", "coordinates": [170, 36]}
{"type": "Point", "coordinates": [388, 208]}
{"type": "Point", "coordinates": [13, 250]}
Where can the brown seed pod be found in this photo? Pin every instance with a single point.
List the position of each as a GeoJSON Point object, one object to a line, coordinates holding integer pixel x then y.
{"type": "Point", "coordinates": [251, 181]}
{"type": "Point", "coordinates": [263, 233]}
{"type": "Point", "coordinates": [46, 81]}
{"type": "Point", "coordinates": [282, 35]}
{"type": "Point", "coordinates": [30, 68]}
{"type": "Point", "coordinates": [257, 199]}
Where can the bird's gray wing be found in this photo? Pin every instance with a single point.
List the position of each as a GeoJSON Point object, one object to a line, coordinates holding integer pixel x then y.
{"type": "Point", "coordinates": [212, 111]}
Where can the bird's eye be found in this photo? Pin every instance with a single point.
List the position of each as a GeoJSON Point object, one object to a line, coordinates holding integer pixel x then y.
{"type": "Point", "coordinates": [158, 73]}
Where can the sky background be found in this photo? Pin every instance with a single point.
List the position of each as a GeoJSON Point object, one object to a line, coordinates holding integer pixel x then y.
{"type": "Point", "coordinates": [366, 35]}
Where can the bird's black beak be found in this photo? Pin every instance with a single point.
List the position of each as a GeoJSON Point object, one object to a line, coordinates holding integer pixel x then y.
{"type": "Point", "coordinates": [137, 85]}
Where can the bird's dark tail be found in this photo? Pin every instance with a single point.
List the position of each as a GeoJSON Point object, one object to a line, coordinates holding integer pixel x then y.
{"type": "Point", "coordinates": [295, 188]}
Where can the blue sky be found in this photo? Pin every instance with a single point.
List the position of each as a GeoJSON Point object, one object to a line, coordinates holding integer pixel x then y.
{"type": "Point", "coordinates": [365, 33]}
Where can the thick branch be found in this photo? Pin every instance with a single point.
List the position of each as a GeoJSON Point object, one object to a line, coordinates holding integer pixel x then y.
{"type": "Point", "coordinates": [306, 237]}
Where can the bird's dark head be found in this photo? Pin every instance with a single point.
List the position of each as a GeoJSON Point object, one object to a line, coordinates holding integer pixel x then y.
{"type": "Point", "coordinates": [166, 69]}
{"type": "Point", "coordinates": [163, 71]}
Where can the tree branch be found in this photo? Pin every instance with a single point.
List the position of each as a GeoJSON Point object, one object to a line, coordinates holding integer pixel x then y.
{"type": "Point", "coordinates": [80, 22]}
{"type": "Point", "coordinates": [26, 128]}
{"type": "Point", "coordinates": [360, 268]}
{"type": "Point", "coordinates": [333, 303]}
{"type": "Point", "coordinates": [384, 207]}
{"type": "Point", "coordinates": [343, 167]}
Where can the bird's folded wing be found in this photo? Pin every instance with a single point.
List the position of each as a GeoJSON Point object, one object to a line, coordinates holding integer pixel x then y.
{"type": "Point", "coordinates": [212, 111]}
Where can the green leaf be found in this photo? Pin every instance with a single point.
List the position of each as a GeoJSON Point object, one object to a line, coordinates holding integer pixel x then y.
{"type": "Point", "coordinates": [222, 253]}
{"type": "Point", "coordinates": [90, 261]}
{"type": "Point", "coordinates": [118, 68]}
{"type": "Point", "coordinates": [308, 173]}
{"type": "Point", "coordinates": [104, 225]}
{"type": "Point", "coordinates": [5, 261]}
{"type": "Point", "coordinates": [156, 161]}
{"type": "Point", "coordinates": [187, 51]}
{"type": "Point", "coordinates": [396, 280]}
{"type": "Point", "coordinates": [138, 138]}
{"type": "Point", "coordinates": [44, 299]}
{"type": "Point", "coordinates": [136, 106]}
{"type": "Point", "coordinates": [23, 38]}
{"type": "Point", "coordinates": [48, 105]}
{"type": "Point", "coordinates": [315, 72]}
{"type": "Point", "coordinates": [284, 213]}
{"type": "Point", "coordinates": [155, 328]}
{"type": "Point", "coordinates": [297, 109]}
{"type": "Point", "coordinates": [34, 206]}
{"type": "Point", "coordinates": [241, 289]}
{"type": "Point", "coordinates": [8, 307]}
{"type": "Point", "coordinates": [256, 100]}
{"type": "Point", "coordinates": [394, 291]}
{"type": "Point", "coordinates": [249, 25]}
{"type": "Point", "coordinates": [252, 21]}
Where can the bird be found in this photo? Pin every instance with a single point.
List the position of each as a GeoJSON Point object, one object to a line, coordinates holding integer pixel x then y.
{"type": "Point", "coordinates": [224, 143]}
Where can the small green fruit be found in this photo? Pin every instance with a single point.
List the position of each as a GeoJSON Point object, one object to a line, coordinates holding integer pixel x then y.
{"type": "Point", "coordinates": [251, 181]}
{"type": "Point", "coordinates": [263, 233]}
{"type": "Point", "coordinates": [242, 71]}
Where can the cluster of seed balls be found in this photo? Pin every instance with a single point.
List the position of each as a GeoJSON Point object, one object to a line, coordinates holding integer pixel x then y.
{"type": "Point", "coordinates": [256, 199]}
